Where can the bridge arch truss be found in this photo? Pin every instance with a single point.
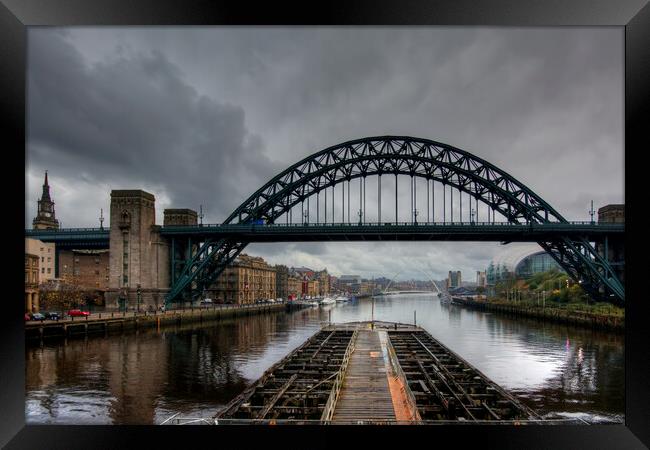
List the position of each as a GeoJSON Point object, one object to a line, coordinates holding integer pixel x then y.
{"type": "Point", "coordinates": [481, 181]}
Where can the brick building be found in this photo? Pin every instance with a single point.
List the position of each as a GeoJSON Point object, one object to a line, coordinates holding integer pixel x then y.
{"type": "Point", "coordinates": [311, 288]}
{"type": "Point", "coordinates": [247, 279]}
{"type": "Point", "coordinates": [294, 286]}
{"type": "Point", "coordinates": [86, 269]}
{"type": "Point", "coordinates": [282, 281]}
{"type": "Point", "coordinates": [323, 282]}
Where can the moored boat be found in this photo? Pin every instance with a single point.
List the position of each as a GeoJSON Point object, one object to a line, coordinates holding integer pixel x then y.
{"type": "Point", "coordinates": [327, 301]}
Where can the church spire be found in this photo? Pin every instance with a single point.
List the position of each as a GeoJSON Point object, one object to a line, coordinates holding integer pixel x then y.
{"type": "Point", "coordinates": [46, 190]}
{"type": "Point", "coordinates": [45, 217]}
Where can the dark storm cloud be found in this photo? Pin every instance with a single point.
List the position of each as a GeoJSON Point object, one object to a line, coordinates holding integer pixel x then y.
{"type": "Point", "coordinates": [133, 121]}
{"type": "Point", "coordinates": [112, 108]}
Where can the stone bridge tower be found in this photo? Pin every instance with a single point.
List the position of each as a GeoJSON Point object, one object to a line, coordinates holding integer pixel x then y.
{"type": "Point", "coordinates": [139, 257]}
{"type": "Point", "coordinates": [613, 249]}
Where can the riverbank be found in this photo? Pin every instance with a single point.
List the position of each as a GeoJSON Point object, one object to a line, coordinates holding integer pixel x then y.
{"type": "Point", "coordinates": [107, 321]}
{"type": "Point", "coordinates": [555, 314]}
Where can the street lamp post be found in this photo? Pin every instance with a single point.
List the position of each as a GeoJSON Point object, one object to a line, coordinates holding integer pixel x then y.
{"type": "Point", "coordinates": [138, 292]}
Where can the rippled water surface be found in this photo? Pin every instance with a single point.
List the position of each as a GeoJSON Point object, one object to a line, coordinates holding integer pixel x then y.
{"type": "Point", "coordinates": [145, 377]}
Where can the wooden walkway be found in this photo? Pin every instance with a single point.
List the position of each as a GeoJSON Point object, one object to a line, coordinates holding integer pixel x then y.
{"type": "Point", "coordinates": [365, 395]}
{"type": "Point", "coordinates": [374, 373]}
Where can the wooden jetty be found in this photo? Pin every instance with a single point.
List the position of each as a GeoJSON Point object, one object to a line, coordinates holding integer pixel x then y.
{"type": "Point", "coordinates": [373, 373]}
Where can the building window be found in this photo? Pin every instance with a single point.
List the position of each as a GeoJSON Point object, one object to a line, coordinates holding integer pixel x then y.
{"type": "Point", "coordinates": [42, 258]}
{"type": "Point", "coordinates": [125, 279]}
{"type": "Point", "coordinates": [42, 269]}
{"type": "Point", "coordinates": [49, 270]}
{"type": "Point", "coordinates": [41, 249]}
{"type": "Point", "coordinates": [96, 272]}
{"type": "Point", "coordinates": [49, 250]}
{"type": "Point", "coordinates": [49, 259]}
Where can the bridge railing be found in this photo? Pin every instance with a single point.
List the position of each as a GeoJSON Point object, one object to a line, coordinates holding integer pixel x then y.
{"type": "Point", "coordinates": [67, 230]}
{"type": "Point", "coordinates": [29, 231]}
{"type": "Point", "coordinates": [238, 226]}
{"type": "Point", "coordinates": [399, 223]}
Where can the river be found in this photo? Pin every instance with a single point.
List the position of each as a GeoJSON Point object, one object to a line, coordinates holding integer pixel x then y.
{"type": "Point", "coordinates": [146, 376]}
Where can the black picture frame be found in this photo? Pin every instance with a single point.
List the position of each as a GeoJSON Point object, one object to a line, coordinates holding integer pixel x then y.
{"type": "Point", "coordinates": [633, 15]}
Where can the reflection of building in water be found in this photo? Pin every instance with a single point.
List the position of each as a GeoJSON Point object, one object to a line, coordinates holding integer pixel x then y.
{"type": "Point", "coordinates": [135, 377]}
{"type": "Point", "coordinates": [454, 314]}
{"type": "Point", "coordinates": [41, 367]}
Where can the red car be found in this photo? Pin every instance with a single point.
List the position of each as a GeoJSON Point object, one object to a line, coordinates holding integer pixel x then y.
{"type": "Point", "coordinates": [27, 317]}
{"type": "Point", "coordinates": [78, 313]}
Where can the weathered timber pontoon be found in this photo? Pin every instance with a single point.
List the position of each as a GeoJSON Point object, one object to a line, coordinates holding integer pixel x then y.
{"type": "Point", "coordinates": [373, 373]}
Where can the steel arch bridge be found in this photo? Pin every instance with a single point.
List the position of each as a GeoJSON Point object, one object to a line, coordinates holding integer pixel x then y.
{"type": "Point", "coordinates": [480, 181]}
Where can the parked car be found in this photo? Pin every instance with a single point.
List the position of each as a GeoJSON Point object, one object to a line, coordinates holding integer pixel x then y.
{"type": "Point", "coordinates": [279, 300]}
{"type": "Point", "coordinates": [38, 316]}
{"type": "Point", "coordinates": [270, 300]}
{"type": "Point", "coordinates": [52, 316]}
{"type": "Point", "coordinates": [78, 313]}
{"type": "Point", "coordinates": [207, 302]}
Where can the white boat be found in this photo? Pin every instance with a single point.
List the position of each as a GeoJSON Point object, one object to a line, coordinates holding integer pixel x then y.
{"type": "Point", "coordinates": [327, 301]}
{"type": "Point", "coordinates": [341, 299]}
{"type": "Point", "coordinates": [312, 303]}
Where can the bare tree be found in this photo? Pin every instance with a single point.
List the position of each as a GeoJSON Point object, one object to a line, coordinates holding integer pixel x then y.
{"type": "Point", "coordinates": [60, 296]}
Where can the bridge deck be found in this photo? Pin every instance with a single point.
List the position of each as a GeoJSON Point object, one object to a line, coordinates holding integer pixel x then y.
{"type": "Point", "coordinates": [365, 395]}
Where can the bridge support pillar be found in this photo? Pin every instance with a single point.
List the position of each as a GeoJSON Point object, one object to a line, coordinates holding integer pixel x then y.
{"type": "Point", "coordinates": [180, 249]}
{"type": "Point", "coordinates": [613, 248]}
{"type": "Point", "coordinates": [139, 256]}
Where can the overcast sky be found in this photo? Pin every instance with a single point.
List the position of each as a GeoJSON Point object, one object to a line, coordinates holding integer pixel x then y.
{"type": "Point", "coordinates": [207, 115]}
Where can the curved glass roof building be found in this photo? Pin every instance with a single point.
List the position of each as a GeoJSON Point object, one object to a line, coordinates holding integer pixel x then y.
{"type": "Point", "coordinates": [521, 259]}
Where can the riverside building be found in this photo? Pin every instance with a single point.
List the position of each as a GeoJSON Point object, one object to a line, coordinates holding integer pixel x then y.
{"type": "Point", "coordinates": [247, 279]}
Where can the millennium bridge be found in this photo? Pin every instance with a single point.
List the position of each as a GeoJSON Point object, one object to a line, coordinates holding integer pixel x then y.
{"type": "Point", "coordinates": [461, 198]}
